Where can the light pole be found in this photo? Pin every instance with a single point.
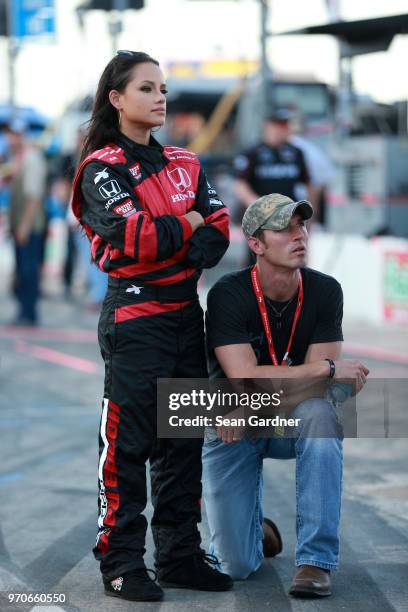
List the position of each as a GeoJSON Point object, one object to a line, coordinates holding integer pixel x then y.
{"type": "Point", "coordinates": [115, 22]}
{"type": "Point", "coordinates": [13, 49]}
{"type": "Point", "coordinates": [265, 70]}
{"type": "Point", "coordinates": [345, 88]}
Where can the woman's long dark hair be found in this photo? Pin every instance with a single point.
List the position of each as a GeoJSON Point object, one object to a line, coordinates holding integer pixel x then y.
{"type": "Point", "coordinates": [104, 123]}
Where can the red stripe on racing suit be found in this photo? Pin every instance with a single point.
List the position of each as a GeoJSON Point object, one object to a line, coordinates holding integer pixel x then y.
{"type": "Point", "coordinates": [145, 309]}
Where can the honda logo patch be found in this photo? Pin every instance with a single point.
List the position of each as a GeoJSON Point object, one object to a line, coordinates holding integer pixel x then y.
{"type": "Point", "coordinates": [109, 189]}
{"type": "Point", "coordinates": [180, 179]}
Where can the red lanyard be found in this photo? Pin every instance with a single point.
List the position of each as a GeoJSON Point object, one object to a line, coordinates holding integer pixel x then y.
{"type": "Point", "coordinates": [264, 315]}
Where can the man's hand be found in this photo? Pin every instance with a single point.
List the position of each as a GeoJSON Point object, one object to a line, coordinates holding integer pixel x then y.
{"type": "Point", "coordinates": [231, 433]}
{"type": "Point", "coordinates": [22, 233]}
{"type": "Point", "coordinates": [351, 369]}
{"type": "Point", "coordinates": [346, 369]}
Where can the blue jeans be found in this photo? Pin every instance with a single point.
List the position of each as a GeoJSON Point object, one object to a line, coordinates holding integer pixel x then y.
{"type": "Point", "coordinates": [28, 265]}
{"type": "Point", "coordinates": [233, 491]}
{"type": "Point", "coordinates": [97, 281]}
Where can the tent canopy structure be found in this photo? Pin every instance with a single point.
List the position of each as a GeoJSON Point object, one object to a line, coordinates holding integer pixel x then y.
{"type": "Point", "coordinates": [362, 36]}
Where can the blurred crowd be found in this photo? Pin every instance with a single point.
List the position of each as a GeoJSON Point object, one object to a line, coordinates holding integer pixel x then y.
{"type": "Point", "coordinates": [35, 192]}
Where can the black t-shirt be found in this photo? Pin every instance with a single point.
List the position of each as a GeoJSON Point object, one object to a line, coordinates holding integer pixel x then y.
{"type": "Point", "coordinates": [274, 170]}
{"type": "Point", "coordinates": [233, 317]}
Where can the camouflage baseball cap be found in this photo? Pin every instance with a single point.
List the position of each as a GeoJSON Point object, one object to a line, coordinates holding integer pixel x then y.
{"type": "Point", "coordinates": [273, 211]}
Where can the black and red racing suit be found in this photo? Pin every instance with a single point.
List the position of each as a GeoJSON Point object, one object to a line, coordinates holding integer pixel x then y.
{"type": "Point", "coordinates": [130, 199]}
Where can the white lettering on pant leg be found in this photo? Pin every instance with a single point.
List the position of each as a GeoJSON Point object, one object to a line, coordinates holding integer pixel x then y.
{"type": "Point", "coordinates": [102, 459]}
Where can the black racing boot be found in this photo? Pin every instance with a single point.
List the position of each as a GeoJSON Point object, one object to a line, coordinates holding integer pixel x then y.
{"type": "Point", "coordinates": [194, 572]}
{"type": "Point", "coordinates": [135, 585]}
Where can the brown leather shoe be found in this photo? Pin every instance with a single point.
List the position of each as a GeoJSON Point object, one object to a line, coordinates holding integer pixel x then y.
{"type": "Point", "coordinates": [272, 541]}
{"type": "Point", "coordinates": [310, 581]}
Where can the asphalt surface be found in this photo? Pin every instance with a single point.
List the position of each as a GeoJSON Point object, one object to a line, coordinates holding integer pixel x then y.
{"type": "Point", "coordinates": [51, 386]}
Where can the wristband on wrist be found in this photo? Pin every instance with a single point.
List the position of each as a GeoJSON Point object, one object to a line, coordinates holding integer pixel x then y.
{"type": "Point", "coordinates": [332, 370]}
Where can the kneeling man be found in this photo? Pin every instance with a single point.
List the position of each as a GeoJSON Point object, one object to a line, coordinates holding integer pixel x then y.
{"type": "Point", "coordinates": [260, 320]}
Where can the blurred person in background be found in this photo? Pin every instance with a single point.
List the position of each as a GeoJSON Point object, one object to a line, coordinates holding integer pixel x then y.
{"type": "Point", "coordinates": [154, 222]}
{"type": "Point", "coordinates": [27, 219]}
{"type": "Point", "coordinates": [320, 167]}
{"type": "Point", "coordinates": [4, 180]}
{"type": "Point", "coordinates": [64, 168]}
{"type": "Point", "coordinates": [61, 187]}
{"type": "Point", "coordinates": [78, 252]}
{"type": "Point", "coordinates": [274, 165]}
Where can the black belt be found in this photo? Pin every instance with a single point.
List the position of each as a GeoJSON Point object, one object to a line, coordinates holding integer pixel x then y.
{"type": "Point", "coordinates": [133, 291]}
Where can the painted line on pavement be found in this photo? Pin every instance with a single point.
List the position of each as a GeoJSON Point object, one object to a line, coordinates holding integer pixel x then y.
{"type": "Point", "coordinates": [86, 335]}
{"type": "Point", "coordinates": [91, 367]}
{"type": "Point", "coordinates": [57, 357]}
{"type": "Point", "coordinates": [375, 352]}
{"type": "Point", "coordinates": [48, 333]}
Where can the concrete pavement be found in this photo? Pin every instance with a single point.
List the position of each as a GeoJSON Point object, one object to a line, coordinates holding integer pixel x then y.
{"type": "Point", "coordinates": [51, 385]}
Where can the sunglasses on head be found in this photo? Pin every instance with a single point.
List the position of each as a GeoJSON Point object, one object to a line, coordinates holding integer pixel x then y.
{"type": "Point", "coordinates": [125, 52]}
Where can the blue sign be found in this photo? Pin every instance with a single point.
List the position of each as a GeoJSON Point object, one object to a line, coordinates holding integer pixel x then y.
{"type": "Point", "coordinates": [31, 18]}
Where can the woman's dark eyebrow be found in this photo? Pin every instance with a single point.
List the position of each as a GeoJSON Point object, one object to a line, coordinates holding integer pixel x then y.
{"type": "Point", "coordinates": [153, 83]}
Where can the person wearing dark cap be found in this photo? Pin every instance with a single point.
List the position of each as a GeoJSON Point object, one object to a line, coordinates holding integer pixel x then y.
{"type": "Point", "coordinates": [260, 320]}
{"type": "Point", "coordinates": [273, 165]}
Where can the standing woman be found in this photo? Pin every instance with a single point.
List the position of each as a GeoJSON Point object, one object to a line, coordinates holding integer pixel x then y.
{"type": "Point", "coordinates": [154, 223]}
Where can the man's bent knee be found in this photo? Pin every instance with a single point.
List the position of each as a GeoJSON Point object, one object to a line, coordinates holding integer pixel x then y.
{"type": "Point", "coordinates": [317, 418]}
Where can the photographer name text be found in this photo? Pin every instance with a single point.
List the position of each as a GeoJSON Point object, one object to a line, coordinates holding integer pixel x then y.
{"type": "Point", "coordinates": [222, 421]}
